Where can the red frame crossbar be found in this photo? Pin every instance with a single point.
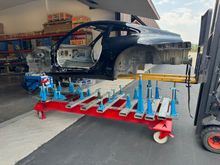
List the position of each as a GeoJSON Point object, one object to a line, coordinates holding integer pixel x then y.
{"type": "Point", "coordinates": [163, 126]}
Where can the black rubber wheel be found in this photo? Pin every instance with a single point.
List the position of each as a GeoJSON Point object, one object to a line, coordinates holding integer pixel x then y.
{"type": "Point", "coordinates": [211, 138]}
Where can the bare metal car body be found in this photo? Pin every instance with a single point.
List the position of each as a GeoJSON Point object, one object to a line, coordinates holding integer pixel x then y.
{"type": "Point", "coordinates": [118, 48]}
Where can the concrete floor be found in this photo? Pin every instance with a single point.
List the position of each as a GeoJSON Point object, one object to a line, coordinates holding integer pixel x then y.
{"type": "Point", "coordinates": [14, 99]}
{"type": "Point", "coordinates": [21, 135]}
{"type": "Point", "coordinates": [95, 141]}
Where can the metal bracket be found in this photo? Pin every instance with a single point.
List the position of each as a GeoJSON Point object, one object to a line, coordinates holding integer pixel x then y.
{"type": "Point", "coordinates": [210, 120]}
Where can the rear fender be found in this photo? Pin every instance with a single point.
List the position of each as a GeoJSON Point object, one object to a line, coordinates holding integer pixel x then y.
{"type": "Point", "coordinates": [130, 60]}
{"type": "Point", "coordinates": [133, 58]}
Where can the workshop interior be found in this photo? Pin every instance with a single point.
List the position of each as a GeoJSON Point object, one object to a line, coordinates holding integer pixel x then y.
{"type": "Point", "coordinates": [109, 82]}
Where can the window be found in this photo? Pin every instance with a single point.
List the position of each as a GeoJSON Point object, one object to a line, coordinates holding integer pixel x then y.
{"type": "Point", "coordinates": [84, 36]}
{"type": "Point", "coordinates": [122, 31]}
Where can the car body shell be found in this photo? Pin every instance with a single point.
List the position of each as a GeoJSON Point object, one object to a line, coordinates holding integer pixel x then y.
{"type": "Point", "coordinates": [125, 54]}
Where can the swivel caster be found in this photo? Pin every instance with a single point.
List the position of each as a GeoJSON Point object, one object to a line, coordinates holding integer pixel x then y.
{"type": "Point", "coordinates": [159, 140]}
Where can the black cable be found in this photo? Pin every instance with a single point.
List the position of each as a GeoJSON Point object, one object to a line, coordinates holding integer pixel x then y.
{"type": "Point", "coordinates": [188, 77]}
{"type": "Point", "coordinates": [187, 68]}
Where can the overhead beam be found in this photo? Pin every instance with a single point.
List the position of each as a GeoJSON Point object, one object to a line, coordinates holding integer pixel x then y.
{"type": "Point", "coordinates": [144, 8]}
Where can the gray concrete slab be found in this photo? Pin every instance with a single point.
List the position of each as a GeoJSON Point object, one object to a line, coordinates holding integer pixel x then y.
{"type": "Point", "coordinates": [92, 141]}
{"type": "Point", "coordinates": [14, 99]}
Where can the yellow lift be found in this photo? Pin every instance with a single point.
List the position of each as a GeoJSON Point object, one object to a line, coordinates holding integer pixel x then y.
{"type": "Point", "coordinates": [177, 78]}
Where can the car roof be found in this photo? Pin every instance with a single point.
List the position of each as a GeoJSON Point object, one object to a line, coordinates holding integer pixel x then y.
{"type": "Point", "coordinates": [141, 28]}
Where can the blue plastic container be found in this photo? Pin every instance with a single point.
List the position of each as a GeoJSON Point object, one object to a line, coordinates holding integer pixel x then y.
{"type": "Point", "coordinates": [26, 44]}
{"type": "Point", "coordinates": [32, 82]}
{"type": "Point", "coordinates": [16, 44]}
{"type": "Point", "coordinates": [4, 46]}
{"type": "Point", "coordinates": [47, 42]}
{"type": "Point", "coordinates": [44, 42]}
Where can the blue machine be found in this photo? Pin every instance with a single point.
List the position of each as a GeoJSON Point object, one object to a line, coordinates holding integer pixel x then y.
{"type": "Point", "coordinates": [140, 106]}
{"type": "Point", "coordinates": [32, 81]}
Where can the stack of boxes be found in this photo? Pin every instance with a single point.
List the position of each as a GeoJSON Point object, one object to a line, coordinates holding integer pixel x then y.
{"type": "Point", "coordinates": [64, 22]}
{"type": "Point", "coordinates": [59, 17]}
{"type": "Point", "coordinates": [85, 35]}
{"type": "Point", "coordinates": [58, 22]}
{"type": "Point", "coordinates": [77, 20]}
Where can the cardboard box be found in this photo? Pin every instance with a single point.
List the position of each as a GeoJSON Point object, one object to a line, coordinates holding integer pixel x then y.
{"type": "Point", "coordinates": [80, 19]}
{"type": "Point", "coordinates": [78, 42]}
{"type": "Point", "coordinates": [59, 17]}
{"type": "Point", "coordinates": [1, 28]}
{"type": "Point", "coordinates": [58, 27]}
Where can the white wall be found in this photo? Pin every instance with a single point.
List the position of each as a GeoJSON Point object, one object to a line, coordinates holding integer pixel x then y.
{"type": "Point", "coordinates": [24, 18]}
{"type": "Point", "coordinates": [30, 17]}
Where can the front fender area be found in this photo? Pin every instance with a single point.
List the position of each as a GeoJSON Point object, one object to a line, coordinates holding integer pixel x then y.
{"type": "Point", "coordinates": [135, 57]}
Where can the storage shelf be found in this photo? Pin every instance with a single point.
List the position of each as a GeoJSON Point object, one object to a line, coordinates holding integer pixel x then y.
{"type": "Point", "coordinates": [16, 51]}
{"type": "Point", "coordinates": [37, 36]}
